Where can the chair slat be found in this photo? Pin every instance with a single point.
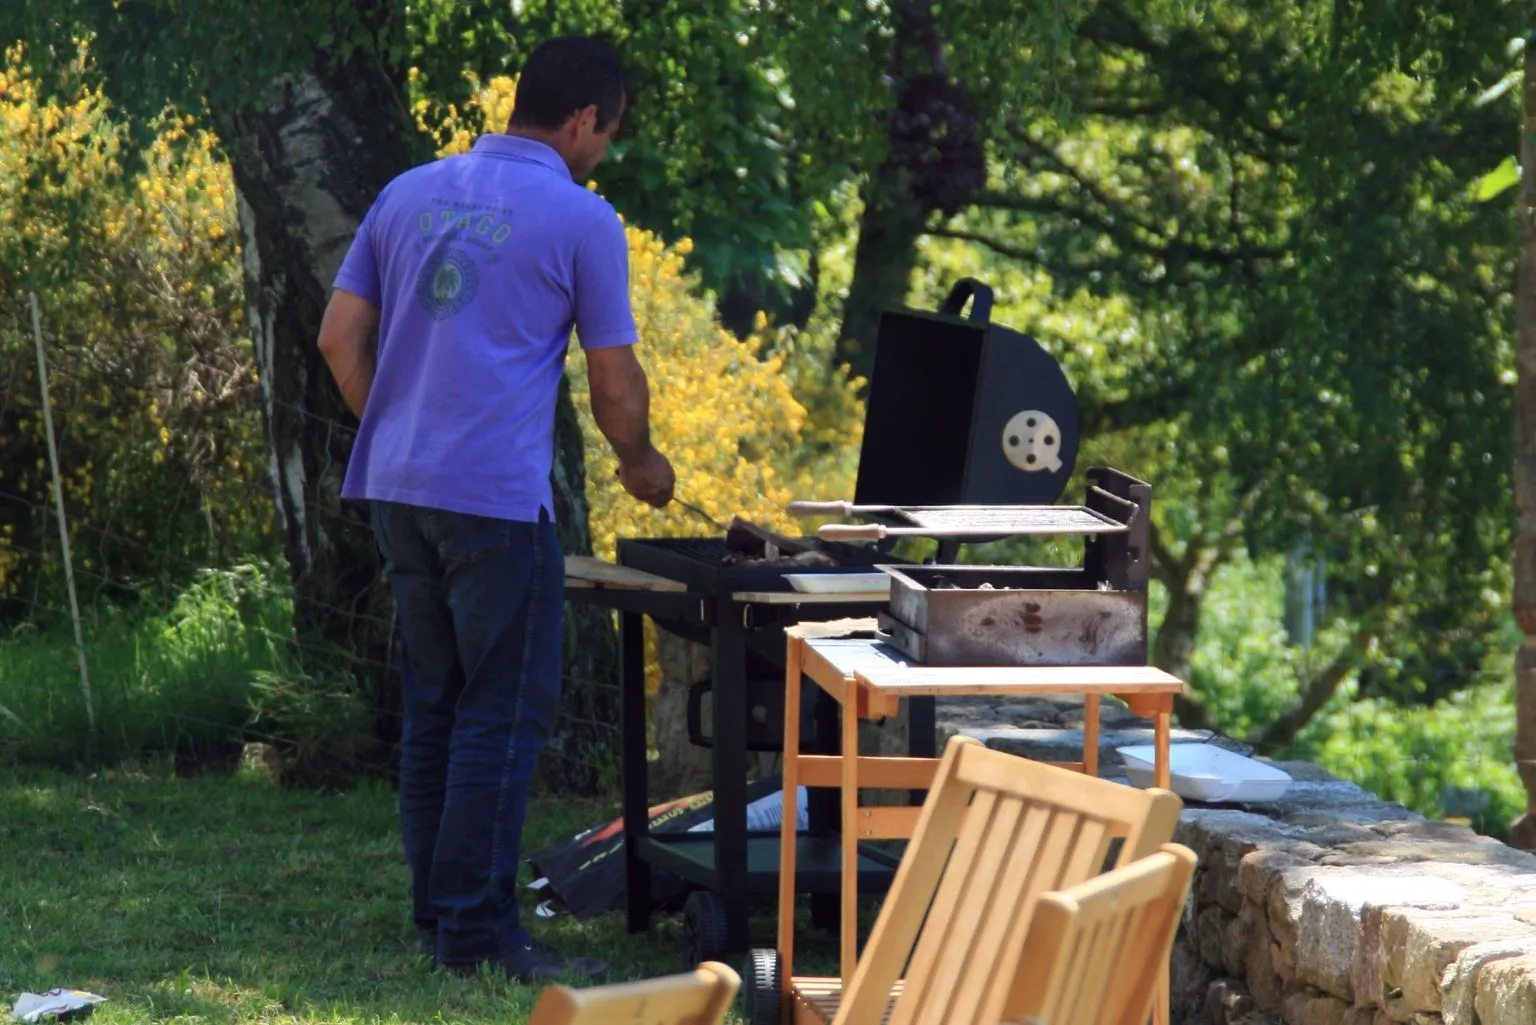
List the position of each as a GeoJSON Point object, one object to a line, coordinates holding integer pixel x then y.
{"type": "Point", "coordinates": [1094, 951]}
{"type": "Point", "coordinates": [986, 884]}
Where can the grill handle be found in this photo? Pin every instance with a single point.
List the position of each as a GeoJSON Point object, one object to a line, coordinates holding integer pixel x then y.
{"type": "Point", "coordinates": [852, 532]}
{"type": "Point", "coordinates": [969, 288]}
{"type": "Point", "coordinates": [800, 508]}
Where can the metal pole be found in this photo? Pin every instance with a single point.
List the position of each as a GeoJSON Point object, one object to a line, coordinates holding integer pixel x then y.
{"type": "Point", "coordinates": [58, 500]}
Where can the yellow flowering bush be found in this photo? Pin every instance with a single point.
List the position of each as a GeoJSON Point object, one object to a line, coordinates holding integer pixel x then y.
{"type": "Point", "coordinates": [135, 259]}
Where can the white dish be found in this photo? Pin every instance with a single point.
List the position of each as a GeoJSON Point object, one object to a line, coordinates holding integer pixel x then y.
{"type": "Point", "coordinates": [1205, 772]}
{"type": "Point", "coordinates": [839, 583]}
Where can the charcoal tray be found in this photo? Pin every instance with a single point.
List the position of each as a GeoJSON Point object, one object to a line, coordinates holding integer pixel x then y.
{"type": "Point", "coordinates": [1032, 616]}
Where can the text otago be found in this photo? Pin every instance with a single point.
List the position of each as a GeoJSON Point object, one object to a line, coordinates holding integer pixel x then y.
{"type": "Point", "coordinates": [481, 226]}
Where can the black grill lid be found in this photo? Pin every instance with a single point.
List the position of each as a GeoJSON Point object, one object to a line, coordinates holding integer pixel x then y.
{"type": "Point", "coordinates": [962, 411]}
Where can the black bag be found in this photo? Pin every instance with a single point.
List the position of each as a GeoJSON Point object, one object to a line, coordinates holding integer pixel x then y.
{"type": "Point", "coordinates": [585, 874]}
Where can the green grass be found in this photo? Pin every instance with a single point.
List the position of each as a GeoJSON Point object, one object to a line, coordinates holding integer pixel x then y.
{"type": "Point", "coordinates": [183, 679]}
{"type": "Point", "coordinates": [223, 900]}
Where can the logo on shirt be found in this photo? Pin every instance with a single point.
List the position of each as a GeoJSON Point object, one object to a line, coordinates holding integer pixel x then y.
{"type": "Point", "coordinates": [447, 283]}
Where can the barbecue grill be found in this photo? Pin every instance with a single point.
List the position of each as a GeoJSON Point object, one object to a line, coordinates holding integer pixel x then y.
{"type": "Point", "coordinates": [1091, 614]}
{"type": "Point", "coordinates": [740, 610]}
{"type": "Point", "coordinates": [961, 413]}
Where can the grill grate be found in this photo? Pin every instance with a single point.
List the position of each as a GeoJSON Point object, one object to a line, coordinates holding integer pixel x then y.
{"type": "Point", "coordinates": [707, 566]}
{"type": "Point", "coordinates": [701, 549]}
{"type": "Point", "coordinates": [1014, 519]}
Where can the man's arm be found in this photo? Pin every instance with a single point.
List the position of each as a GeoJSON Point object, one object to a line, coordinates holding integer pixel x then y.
{"type": "Point", "coordinates": [346, 342]}
{"type": "Point", "coordinates": [621, 400]}
{"type": "Point", "coordinates": [621, 406]}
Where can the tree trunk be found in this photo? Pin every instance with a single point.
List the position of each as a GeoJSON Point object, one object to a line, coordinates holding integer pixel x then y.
{"type": "Point", "coordinates": [1186, 580]}
{"type": "Point", "coordinates": [883, 263]}
{"type": "Point", "coordinates": [583, 755]}
{"type": "Point", "coordinates": [1315, 692]}
{"type": "Point", "coordinates": [934, 161]}
{"type": "Point", "coordinates": [307, 167]}
{"type": "Point", "coordinates": [304, 185]}
{"type": "Point", "coordinates": [1522, 832]}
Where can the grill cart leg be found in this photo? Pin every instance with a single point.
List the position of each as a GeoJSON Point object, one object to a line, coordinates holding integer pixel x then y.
{"type": "Point", "coordinates": [729, 754]}
{"type": "Point", "coordinates": [922, 736]}
{"type": "Point", "coordinates": [822, 805]}
{"type": "Point", "coordinates": [768, 985]}
{"type": "Point", "coordinates": [637, 871]}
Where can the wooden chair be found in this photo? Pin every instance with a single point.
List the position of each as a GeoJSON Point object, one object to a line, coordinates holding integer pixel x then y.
{"type": "Point", "coordinates": [1095, 952]}
{"type": "Point", "coordinates": [699, 997]}
{"type": "Point", "coordinates": [995, 832]}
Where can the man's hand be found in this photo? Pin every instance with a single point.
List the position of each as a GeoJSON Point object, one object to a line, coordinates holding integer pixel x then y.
{"type": "Point", "coordinates": [650, 478]}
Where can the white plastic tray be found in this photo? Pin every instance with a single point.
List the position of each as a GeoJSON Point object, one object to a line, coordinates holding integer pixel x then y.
{"type": "Point", "coordinates": [1205, 772]}
{"type": "Point", "coordinates": [839, 583]}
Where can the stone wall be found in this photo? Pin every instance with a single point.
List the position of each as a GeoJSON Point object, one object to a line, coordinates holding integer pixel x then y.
{"type": "Point", "coordinates": [1327, 907]}
{"type": "Point", "coordinates": [1331, 907]}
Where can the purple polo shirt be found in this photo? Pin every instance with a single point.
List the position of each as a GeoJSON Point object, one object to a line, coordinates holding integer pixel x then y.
{"type": "Point", "coordinates": [480, 265]}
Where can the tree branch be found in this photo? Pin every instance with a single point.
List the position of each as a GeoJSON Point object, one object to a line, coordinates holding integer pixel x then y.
{"type": "Point", "coordinates": [1191, 66]}
{"type": "Point", "coordinates": [1068, 272]}
{"type": "Point", "coordinates": [1162, 556]}
{"type": "Point", "coordinates": [1316, 692]}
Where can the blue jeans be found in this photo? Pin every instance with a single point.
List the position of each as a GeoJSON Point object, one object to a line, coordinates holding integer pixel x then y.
{"type": "Point", "coordinates": [480, 603]}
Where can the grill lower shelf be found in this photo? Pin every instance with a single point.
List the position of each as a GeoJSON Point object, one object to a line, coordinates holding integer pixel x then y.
{"type": "Point", "coordinates": [818, 861]}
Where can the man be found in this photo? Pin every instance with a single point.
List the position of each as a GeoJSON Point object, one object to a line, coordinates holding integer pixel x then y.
{"type": "Point", "coordinates": [473, 269]}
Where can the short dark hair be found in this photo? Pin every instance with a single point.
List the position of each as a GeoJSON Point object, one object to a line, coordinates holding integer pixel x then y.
{"type": "Point", "coordinates": [565, 75]}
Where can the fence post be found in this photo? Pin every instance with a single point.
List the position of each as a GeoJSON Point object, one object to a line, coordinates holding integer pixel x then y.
{"type": "Point", "coordinates": [58, 499]}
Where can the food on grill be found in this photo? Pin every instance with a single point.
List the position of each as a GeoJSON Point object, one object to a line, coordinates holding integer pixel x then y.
{"type": "Point", "coordinates": [751, 545]}
{"type": "Point", "coordinates": [773, 557]}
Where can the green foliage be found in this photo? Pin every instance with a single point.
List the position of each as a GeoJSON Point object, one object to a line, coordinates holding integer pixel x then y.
{"type": "Point", "coordinates": [1249, 237]}
{"type": "Point", "coordinates": [705, 149]}
{"type": "Point", "coordinates": [1496, 182]}
{"type": "Point", "coordinates": [205, 53]}
{"type": "Point", "coordinates": [177, 682]}
{"type": "Point", "coordinates": [1244, 670]}
{"type": "Point", "coordinates": [1449, 759]}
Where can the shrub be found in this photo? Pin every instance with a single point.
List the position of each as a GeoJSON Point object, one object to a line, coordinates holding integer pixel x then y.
{"type": "Point", "coordinates": [180, 680]}
{"type": "Point", "coordinates": [135, 259]}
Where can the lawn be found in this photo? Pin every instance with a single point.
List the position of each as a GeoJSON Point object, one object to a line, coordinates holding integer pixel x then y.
{"type": "Point", "coordinates": [223, 900]}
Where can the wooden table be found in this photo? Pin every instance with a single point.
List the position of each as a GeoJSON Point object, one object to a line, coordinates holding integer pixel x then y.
{"type": "Point", "coordinates": [869, 679]}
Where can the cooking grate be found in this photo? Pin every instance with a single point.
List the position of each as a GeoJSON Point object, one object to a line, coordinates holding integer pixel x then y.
{"type": "Point", "coordinates": [702, 549]}
{"type": "Point", "coordinates": [1055, 519]}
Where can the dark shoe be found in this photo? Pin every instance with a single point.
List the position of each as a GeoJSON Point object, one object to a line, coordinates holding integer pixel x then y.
{"type": "Point", "coordinates": [539, 963]}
